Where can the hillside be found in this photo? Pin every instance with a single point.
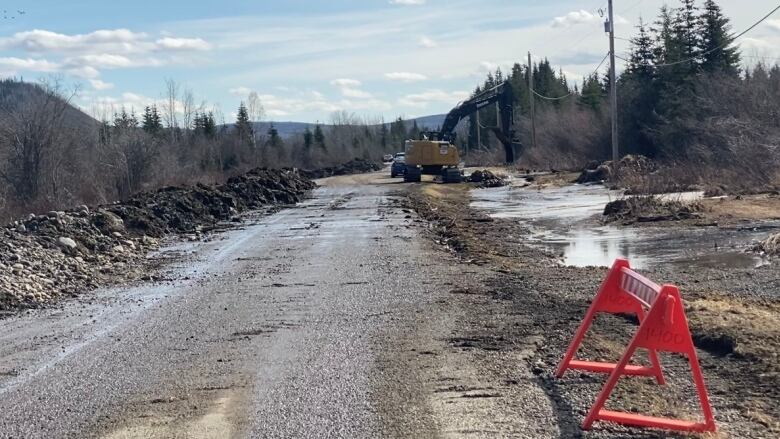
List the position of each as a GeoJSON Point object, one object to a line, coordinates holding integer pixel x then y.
{"type": "Point", "coordinates": [16, 96]}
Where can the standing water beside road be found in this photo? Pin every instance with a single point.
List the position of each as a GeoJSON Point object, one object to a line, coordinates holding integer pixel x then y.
{"type": "Point", "coordinates": [567, 221]}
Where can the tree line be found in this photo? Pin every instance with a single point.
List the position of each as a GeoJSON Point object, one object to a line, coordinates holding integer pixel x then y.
{"type": "Point", "coordinates": [684, 97]}
{"type": "Point", "coordinates": [53, 155]}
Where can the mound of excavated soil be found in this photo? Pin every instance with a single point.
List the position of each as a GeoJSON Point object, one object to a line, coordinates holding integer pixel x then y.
{"type": "Point", "coordinates": [62, 253]}
{"type": "Point", "coordinates": [650, 209]}
{"type": "Point", "coordinates": [354, 166]}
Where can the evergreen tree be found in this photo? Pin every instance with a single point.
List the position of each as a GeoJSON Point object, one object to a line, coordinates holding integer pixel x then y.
{"type": "Point", "coordinates": [308, 139]}
{"type": "Point", "coordinates": [592, 95]}
{"type": "Point", "coordinates": [274, 140]}
{"type": "Point", "coordinates": [717, 56]}
{"type": "Point", "coordinates": [152, 121]}
{"type": "Point", "coordinates": [686, 35]}
{"type": "Point", "coordinates": [642, 58]}
{"type": "Point", "coordinates": [319, 136]}
{"type": "Point", "coordinates": [243, 125]}
{"type": "Point", "coordinates": [414, 132]}
{"type": "Point", "coordinates": [124, 122]}
{"type": "Point", "coordinates": [209, 125]}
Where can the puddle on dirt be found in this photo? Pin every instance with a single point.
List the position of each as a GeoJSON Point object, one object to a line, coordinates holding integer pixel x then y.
{"type": "Point", "coordinates": [566, 221]}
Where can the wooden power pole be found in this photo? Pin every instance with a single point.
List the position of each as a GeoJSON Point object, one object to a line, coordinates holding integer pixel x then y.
{"type": "Point", "coordinates": [531, 100]}
{"type": "Point", "coordinates": [613, 86]}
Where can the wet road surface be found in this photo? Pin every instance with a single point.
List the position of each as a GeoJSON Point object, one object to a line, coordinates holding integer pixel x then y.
{"type": "Point", "coordinates": [306, 323]}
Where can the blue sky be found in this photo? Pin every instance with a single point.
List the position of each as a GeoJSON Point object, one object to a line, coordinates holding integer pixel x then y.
{"type": "Point", "coordinates": [309, 59]}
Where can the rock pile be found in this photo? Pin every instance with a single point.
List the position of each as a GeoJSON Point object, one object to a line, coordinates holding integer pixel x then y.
{"type": "Point", "coordinates": [63, 253]}
{"type": "Point", "coordinates": [486, 179]}
{"type": "Point", "coordinates": [354, 166]}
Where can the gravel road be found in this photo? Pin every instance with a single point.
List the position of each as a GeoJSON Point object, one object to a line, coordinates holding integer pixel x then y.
{"type": "Point", "coordinates": [331, 319]}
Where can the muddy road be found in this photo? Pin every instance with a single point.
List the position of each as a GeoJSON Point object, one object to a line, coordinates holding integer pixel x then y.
{"type": "Point", "coordinates": [331, 319]}
{"type": "Point", "coordinates": [374, 309]}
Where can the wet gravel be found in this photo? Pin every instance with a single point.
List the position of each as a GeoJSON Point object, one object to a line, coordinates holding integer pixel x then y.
{"type": "Point", "coordinates": [542, 300]}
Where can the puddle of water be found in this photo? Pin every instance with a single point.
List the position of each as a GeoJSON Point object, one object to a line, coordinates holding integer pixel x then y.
{"type": "Point", "coordinates": [565, 221]}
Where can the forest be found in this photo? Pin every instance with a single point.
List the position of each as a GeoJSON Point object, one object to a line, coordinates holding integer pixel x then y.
{"type": "Point", "coordinates": [686, 99]}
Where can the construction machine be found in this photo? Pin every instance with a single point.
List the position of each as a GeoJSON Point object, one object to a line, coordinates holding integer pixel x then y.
{"type": "Point", "coordinates": [435, 152]}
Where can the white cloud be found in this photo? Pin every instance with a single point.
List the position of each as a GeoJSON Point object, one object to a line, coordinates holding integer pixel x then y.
{"type": "Point", "coordinates": [346, 82]}
{"type": "Point", "coordinates": [12, 64]}
{"type": "Point", "coordinates": [355, 93]}
{"type": "Point", "coordinates": [774, 24]}
{"type": "Point", "coordinates": [755, 45]}
{"type": "Point", "coordinates": [97, 84]}
{"type": "Point", "coordinates": [240, 91]}
{"type": "Point", "coordinates": [407, 2]}
{"type": "Point", "coordinates": [574, 18]}
{"type": "Point", "coordinates": [85, 55]}
{"type": "Point", "coordinates": [433, 96]}
{"type": "Point", "coordinates": [405, 76]}
{"type": "Point", "coordinates": [183, 44]}
{"type": "Point", "coordinates": [427, 42]}
{"type": "Point", "coordinates": [349, 88]}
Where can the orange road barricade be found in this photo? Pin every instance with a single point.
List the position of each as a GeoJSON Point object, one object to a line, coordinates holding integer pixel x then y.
{"type": "Point", "coordinates": [663, 327]}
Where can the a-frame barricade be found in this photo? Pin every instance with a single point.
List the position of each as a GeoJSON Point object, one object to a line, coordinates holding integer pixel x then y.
{"type": "Point", "coordinates": [663, 327]}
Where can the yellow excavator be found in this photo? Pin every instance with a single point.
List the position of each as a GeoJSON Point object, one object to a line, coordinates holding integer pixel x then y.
{"type": "Point", "coordinates": [435, 152]}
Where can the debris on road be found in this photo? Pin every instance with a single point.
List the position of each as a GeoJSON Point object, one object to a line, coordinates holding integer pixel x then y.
{"type": "Point", "coordinates": [63, 253]}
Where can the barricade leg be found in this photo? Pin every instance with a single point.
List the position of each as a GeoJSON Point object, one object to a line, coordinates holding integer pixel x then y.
{"type": "Point", "coordinates": [659, 373]}
{"type": "Point", "coordinates": [575, 344]}
{"type": "Point", "coordinates": [701, 389]}
{"type": "Point", "coordinates": [607, 390]}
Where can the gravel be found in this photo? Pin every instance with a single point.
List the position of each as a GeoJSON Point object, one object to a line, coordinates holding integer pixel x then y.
{"type": "Point", "coordinates": [43, 257]}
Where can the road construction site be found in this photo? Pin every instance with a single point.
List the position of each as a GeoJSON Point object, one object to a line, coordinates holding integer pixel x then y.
{"type": "Point", "coordinates": [374, 308]}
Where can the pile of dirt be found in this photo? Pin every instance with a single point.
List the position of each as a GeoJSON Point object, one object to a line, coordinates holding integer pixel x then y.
{"type": "Point", "coordinates": [769, 246]}
{"type": "Point", "coordinates": [487, 179]}
{"type": "Point", "coordinates": [595, 172]}
{"type": "Point", "coordinates": [63, 253]}
{"type": "Point", "coordinates": [354, 166]}
{"type": "Point", "coordinates": [643, 209]}
{"type": "Point", "coordinates": [188, 209]}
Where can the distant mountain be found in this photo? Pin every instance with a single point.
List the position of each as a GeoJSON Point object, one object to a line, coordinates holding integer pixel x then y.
{"type": "Point", "coordinates": [289, 129]}
{"type": "Point", "coordinates": [16, 95]}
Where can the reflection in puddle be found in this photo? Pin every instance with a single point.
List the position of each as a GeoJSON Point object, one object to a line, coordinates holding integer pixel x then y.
{"type": "Point", "coordinates": [565, 220]}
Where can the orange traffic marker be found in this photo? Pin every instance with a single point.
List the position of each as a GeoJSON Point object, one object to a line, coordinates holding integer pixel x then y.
{"type": "Point", "coordinates": [663, 328]}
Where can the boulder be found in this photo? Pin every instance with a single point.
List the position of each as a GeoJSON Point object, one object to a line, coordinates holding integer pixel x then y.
{"type": "Point", "coordinates": [108, 222]}
{"type": "Point", "coordinates": [67, 244]}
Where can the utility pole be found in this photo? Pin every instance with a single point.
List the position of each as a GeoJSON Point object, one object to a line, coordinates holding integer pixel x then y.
{"type": "Point", "coordinates": [613, 86]}
{"type": "Point", "coordinates": [531, 100]}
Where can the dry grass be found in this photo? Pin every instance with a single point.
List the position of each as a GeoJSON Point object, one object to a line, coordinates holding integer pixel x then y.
{"type": "Point", "coordinates": [733, 209]}
{"type": "Point", "coordinates": [751, 326]}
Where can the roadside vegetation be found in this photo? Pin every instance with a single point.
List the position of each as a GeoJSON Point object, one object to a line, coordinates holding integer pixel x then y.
{"type": "Point", "coordinates": [54, 156]}
{"type": "Point", "coordinates": [686, 100]}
